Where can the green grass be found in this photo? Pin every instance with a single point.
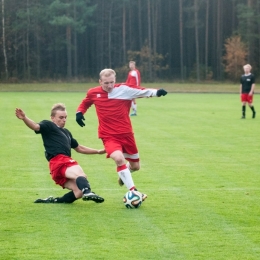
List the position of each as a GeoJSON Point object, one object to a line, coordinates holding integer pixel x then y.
{"type": "Point", "coordinates": [199, 167]}
{"type": "Point", "coordinates": [82, 87]}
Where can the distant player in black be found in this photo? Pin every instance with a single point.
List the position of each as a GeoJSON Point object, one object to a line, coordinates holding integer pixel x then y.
{"type": "Point", "coordinates": [247, 86]}
{"type": "Point", "coordinates": [58, 142]}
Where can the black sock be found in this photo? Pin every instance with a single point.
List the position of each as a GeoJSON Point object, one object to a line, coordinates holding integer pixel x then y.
{"type": "Point", "coordinates": [253, 109]}
{"type": "Point", "coordinates": [83, 184]}
{"type": "Point", "coordinates": [67, 198]}
{"type": "Point", "coordinates": [243, 110]}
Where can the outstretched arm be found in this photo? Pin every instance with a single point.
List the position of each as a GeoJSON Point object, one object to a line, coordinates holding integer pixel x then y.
{"type": "Point", "coordinates": [86, 150]}
{"type": "Point", "coordinates": [146, 92]}
{"type": "Point", "coordinates": [123, 91]}
{"type": "Point", "coordinates": [31, 124]}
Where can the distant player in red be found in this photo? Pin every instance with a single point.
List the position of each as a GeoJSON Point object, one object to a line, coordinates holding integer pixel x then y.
{"type": "Point", "coordinates": [133, 79]}
{"type": "Point", "coordinates": [247, 87]}
{"type": "Point", "coordinates": [112, 102]}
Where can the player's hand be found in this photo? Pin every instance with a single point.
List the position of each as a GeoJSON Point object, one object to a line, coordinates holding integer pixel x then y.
{"type": "Point", "coordinates": [102, 151]}
{"type": "Point", "coordinates": [19, 113]}
{"type": "Point", "coordinates": [80, 118]}
{"type": "Point", "coordinates": [161, 92]}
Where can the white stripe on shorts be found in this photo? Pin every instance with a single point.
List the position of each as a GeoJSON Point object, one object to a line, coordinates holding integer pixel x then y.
{"type": "Point", "coordinates": [131, 156]}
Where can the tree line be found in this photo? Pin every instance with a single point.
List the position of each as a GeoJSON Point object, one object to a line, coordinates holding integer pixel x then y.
{"type": "Point", "coordinates": [168, 39]}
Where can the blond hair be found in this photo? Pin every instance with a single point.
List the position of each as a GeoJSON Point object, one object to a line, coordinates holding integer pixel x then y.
{"type": "Point", "coordinates": [131, 61]}
{"type": "Point", "coordinates": [57, 107]}
{"type": "Point", "coordinates": [106, 73]}
{"type": "Point", "coordinates": [248, 65]}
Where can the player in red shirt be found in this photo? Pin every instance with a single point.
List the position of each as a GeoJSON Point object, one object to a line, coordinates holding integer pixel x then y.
{"type": "Point", "coordinates": [112, 102]}
{"type": "Point", "coordinates": [133, 79]}
{"type": "Point", "coordinates": [58, 142]}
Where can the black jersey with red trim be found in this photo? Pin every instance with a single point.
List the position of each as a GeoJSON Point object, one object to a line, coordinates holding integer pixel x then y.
{"type": "Point", "coordinates": [247, 81]}
{"type": "Point", "coordinates": [56, 140]}
{"type": "Point", "coordinates": [113, 108]}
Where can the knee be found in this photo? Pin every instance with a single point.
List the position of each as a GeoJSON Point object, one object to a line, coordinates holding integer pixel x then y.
{"type": "Point", "coordinates": [84, 175]}
{"type": "Point", "coordinates": [80, 174]}
{"type": "Point", "coordinates": [119, 161]}
{"type": "Point", "coordinates": [134, 167]}
{"type": "Point", "coordinates": [118, 158]}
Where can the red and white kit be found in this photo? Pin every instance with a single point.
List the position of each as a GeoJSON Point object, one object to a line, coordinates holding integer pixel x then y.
{"type": "Point", "coordinates": [112, 108]}
{"type": "Point", "coordinates": [133, 78]}
{"type": "Point", "coordinates": [115, 128]}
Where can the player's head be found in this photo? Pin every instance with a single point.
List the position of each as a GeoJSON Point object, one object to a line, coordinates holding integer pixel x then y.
{"type": "Point", "coordinates": [107, 79]}
{"type": "Point", "coordinates": [132, 65]}
{"type": "Point", "coordinates": [247, 68]}
{"type": "Point", "coordinates": [59, 114]}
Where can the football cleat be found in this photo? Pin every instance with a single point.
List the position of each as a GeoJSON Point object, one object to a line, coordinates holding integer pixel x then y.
{"type": "Point", "coordinates": [133, 114]}
{"type": "Point", "coordinates": [92, 196]}
{"type": "Point", "coordinates": [243, 117]}
{"type": "Point", "coordinates": [50, 199]}
{"type": "Point", "coordinates": [144, 197]}
{"type": "Point", "coordinates": [120, 182]}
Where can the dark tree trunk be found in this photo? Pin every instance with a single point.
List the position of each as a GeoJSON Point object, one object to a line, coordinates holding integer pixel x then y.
{"type": "Point", "coordinates": [219, 39]}
{"type": "Point", "coordinates": [124, 32]}
{"type": "Point", "coordinates": [110, 36]}
{"type": "Point", "coordinates": [140, 24]}
{"type": "Point", "coordinates": [27, 42]}
{"type": "Point", "coordinates": [4, 47]}
{"type": "Point", "coordinates": [181, 36]}
{"type": "Point", "coordinates": [68, 40]}
{"type": "Point", "coordinates": [75, 43]}
{"type": "Point", "coordinates": [196, 9]}
{"type": "Point", "coordinates": [149, 40]}
{"type": "Point", "coordinates": [206, 38]}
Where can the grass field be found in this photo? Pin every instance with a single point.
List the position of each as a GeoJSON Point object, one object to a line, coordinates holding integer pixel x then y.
{"type": "Point", "coordinates": [200, 170]}
{"type": "Point", "coordinates": [82, 87]}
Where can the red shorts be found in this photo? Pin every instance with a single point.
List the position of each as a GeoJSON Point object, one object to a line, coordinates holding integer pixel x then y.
{"type": "Point", "coordinates": [246, 98]}
{"type": "Point", "coordinates": [124, 143]}
{"type": "Point", "coordinates": [58, 166]}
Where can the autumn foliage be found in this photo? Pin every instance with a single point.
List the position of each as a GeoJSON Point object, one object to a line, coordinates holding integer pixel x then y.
{"type": "Point", "coordinates": [235, 57]}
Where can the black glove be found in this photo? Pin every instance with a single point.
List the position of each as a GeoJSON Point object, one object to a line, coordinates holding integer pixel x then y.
{"type": "Point", "coordinates": [161, 92]}
{"type": "Point", "coordinates": [79, 118]}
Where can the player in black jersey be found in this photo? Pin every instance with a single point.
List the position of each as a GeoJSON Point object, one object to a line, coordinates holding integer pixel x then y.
{"type": "Point", "coordinates": [58, 142]}
{"type": "Point", "coordinates": [247, 86]}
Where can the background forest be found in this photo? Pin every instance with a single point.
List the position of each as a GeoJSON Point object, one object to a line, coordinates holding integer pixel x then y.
{"type": "Point", "coordinates": [169, 39]}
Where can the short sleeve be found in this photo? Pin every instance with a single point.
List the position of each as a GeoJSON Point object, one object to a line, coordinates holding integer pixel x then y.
{"type": "Point", "coordinates": [45, 127]}
{"type": "Point", "coordinates": [253, 79]}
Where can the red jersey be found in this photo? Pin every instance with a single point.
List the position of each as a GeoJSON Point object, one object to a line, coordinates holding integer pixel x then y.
{"type": "Point", "coordinates": [113, 108]}
{"type": "Point", "coordinates": [133, 78]}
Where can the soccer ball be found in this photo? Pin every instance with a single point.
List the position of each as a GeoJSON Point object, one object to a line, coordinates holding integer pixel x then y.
{"type": "Point", "coordinates": [132, 199]}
